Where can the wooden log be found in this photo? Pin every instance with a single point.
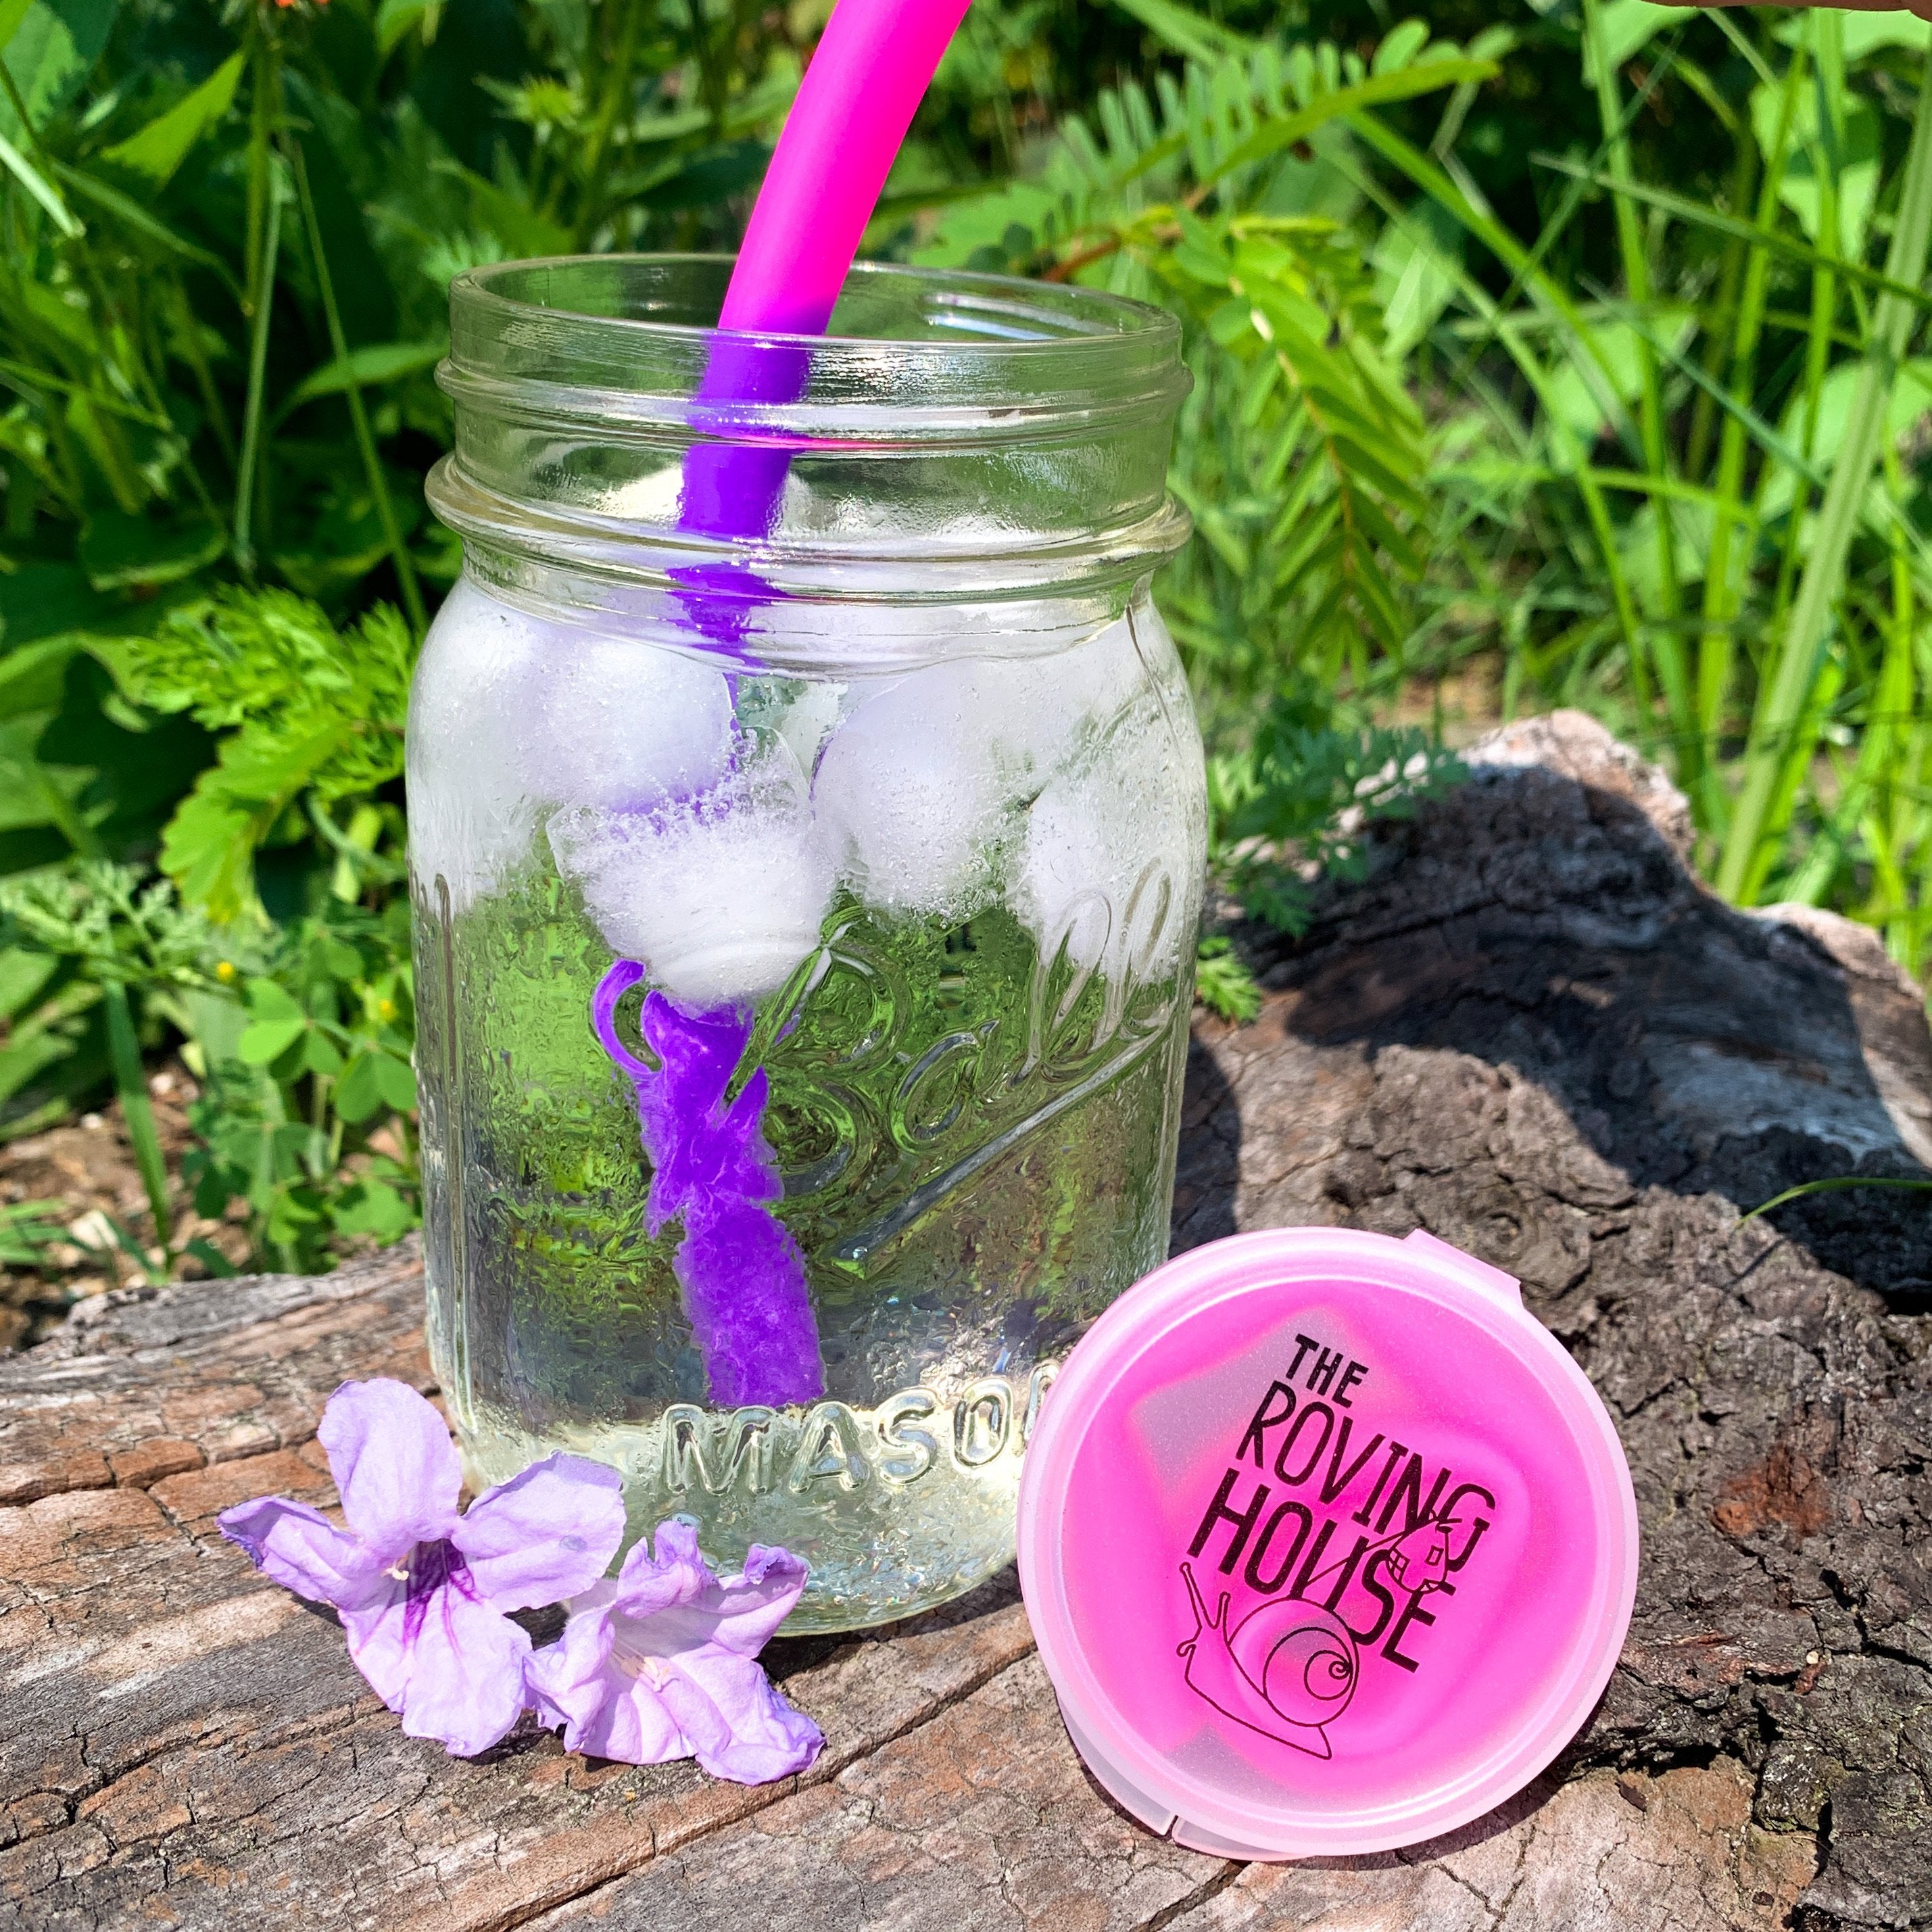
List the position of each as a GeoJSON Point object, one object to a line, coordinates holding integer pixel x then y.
{"type": "Point", "coordinates": [1529, 1031]}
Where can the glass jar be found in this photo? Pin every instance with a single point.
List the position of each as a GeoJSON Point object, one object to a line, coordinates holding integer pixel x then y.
{"type": "Point", "coordinates": [807, 824]}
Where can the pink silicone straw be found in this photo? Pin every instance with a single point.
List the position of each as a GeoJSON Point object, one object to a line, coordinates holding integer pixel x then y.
{"type": "Point", "coordinates": [873, 65]}
{"type": "Point", "coordinates": [742, 1276]}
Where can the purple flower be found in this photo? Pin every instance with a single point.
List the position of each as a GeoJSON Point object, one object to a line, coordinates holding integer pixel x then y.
{"type": "Point", "coordinates": [422, 1591]}
{"type": "Point", "coordinates": [662, 1663]}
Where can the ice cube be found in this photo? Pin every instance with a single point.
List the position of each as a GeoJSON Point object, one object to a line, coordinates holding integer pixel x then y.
{"type": "Point", "coordinates": [470, 816]}
{"type": "Point", "coordinates": [912, 792]}
{"type": "Point", "coordinates": [922, 787]}
{"type": "Point", "coordinates": [805, 722]}
{"type": "Point", "coordinates": [1107, 869]}
{"type": "Point", "coordinates": [1073, 695]}
{"type": "Point", "coordinates": [720, 895]}
{"type": "Point", "coordinates": [623, 723]}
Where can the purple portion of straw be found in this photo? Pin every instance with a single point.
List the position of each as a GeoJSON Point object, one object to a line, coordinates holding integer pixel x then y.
{"type": "Point", "coordinates": [866, 78]}
{"type": "Point", "coordinates": [732, 487]}
{"type": "Point", "coordinates": [742, 1274]}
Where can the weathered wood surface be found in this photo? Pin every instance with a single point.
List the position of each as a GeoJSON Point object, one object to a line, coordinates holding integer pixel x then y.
{"type": "Point", "coordinates": [1529, 1032]}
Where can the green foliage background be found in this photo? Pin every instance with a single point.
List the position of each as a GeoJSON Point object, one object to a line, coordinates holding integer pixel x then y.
{"type": "Point", "coordinates": [1578, 341]}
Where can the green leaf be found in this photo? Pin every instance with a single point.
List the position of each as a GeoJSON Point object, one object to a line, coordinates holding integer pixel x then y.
{"type": "Point", "coordinates": [1400, 46]}
{"type": "Point", "coordinates": [1837, 1183]}
{"type": "Point", "coordinates": [268, 1000]}
{"type": "Point", "coordinates": [321, 1055]}
{"type": "Point", "coordinates": [24, 975]}
{"type": "Point", "coordinates": [50, 54]}
{"type": "Point", "coordinates": [1416, 263]}
{"type": "Point", "coordinates": [1628, 27]}
{"type": "Point", "coordinates": [32, 677]}
{"type": "Point", "coordinates": [987, 221]}
{"type": "Point", "coordinates": [1429, 77]}
{"type": "Point", "coordinates": [55, 1034]}
{"type": "Point", "coordinates": [156, 151]}
{"type": "Point", "coordinates": [1223, 982]}
{"type": "Point", "coordinates": [519, 227]}
{"type": "Point", "coordinates": [211, 1258]}
{"type": "Point", "coordinates": [26, 1232]}
{"type": "Point", "coordinates": [127, 767]}
{"type": "Point", "coordinates": [208, 849]}
{"type": "Point", "coordinates": [1685, 208]}
{"type": "Point", "coordinates": [368, 368]}
{"type": "Point", "coordinates": [700, 180]}
{"type": "Point", "coordinates": [43, 600]}
{"type": "Point", "coordinates": [374, 1208]}
{"type": "Point", "coordinates": [1864, 35]}
{"type": "Point", "coordinates": [267, 1040]}
{"type": "Point", "coordinates": [120, 552]}
{"type": "Point", "coordinates": [397, 18]}
{"type": "Point", "coordinates": [358, 1093]}
{"type": "Point", "coordinates": [1806, 179]}
{"type": "Point", "coordinates": [1186, 31]}
{"type": "Point", "coordinates": [397, 1082]}
{"type": "Point", "coordinates": [129, 211]}
{"type": "Point", "coordinates": [36, 185]}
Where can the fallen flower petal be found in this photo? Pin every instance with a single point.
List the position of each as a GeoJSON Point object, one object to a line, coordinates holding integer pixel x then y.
{"type": "Point", "coordinates": [572, 1684]}
{"type": "Point", "coordinates": [662, 1663]}
{"type": "Point", "coordinates": [298, 1546]}
{"type": "Point", "coordinates": [395, 1468]}
{"type": "Point", "coordinates": [543, 1536]}
{"type": "Point", "coordinates": [422, 1590]}
{"type": "Point", "coordinates": [450, 1664]}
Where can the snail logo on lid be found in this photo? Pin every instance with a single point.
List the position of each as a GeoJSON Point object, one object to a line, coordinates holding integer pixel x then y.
{"type": "Point", "coordinates": [1287, 1671]}
{"type": "Point", "coordinates": [1329, 1546]}
{"type": "Point", "coordinates": [1289, 1667]}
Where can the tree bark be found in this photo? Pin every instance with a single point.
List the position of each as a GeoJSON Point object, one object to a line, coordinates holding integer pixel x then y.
{"type": "Point", "coordinates": [1529, 1031]}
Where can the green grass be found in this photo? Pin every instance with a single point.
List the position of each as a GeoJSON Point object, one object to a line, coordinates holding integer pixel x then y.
{"type": "Point", "coordinates": [1582, 343]}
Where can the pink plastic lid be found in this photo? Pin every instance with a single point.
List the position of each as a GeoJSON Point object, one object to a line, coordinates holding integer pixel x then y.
{"type": "Point", "coordinates": [1329, 1546]}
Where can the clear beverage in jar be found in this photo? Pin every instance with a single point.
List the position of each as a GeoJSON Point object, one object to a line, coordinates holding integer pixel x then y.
{"type": "Point", "coordinates": [804, 958]}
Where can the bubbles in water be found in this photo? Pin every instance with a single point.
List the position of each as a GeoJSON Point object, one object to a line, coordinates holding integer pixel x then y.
{"type": "Point", "coordinates": [720, 895]}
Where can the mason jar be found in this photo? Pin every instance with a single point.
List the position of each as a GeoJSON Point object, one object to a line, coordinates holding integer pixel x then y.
{"type": "Point", "coordinates": [807, 825]}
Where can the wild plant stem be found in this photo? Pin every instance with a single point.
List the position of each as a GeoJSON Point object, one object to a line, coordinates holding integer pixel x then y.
{"type": "Point", "coordinates": [358, 416]}
{"type": "Point", "coordinates": [1668, 644]}
{"type": "Point", "coordinates": [616, 93]}
{"type": "Point", "coordinates": [1723, 319]}
{"type": "Point", "coordinates": [1717, 650]}
{"type": "Point", "coordinates": [1891, 705]}
{"type": "Point", "coordinates": [258, 371]}
{"type": "Point", "coordinates": [1827, 41]}
{"type": "Point", "coordinates": [1511, 254]}
{"type": "Point", "coordinates": [46, 192]}
{"type": "Point", "coordinates": [196, 356]}
{"type": "Point", "coordinates": [123, 1053]}
{"type": "Point", "coordinates": [1777, 745]}
{"type": "Point", "coordinates": [265, 231]}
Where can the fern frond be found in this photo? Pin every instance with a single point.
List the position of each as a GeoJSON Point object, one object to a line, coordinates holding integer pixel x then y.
{"type": "Point", "coordinates": [306, 710]}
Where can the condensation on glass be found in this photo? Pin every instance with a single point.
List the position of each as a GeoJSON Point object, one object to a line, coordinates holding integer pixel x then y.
{"type": "Point", "coordinates": [900, 796]}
